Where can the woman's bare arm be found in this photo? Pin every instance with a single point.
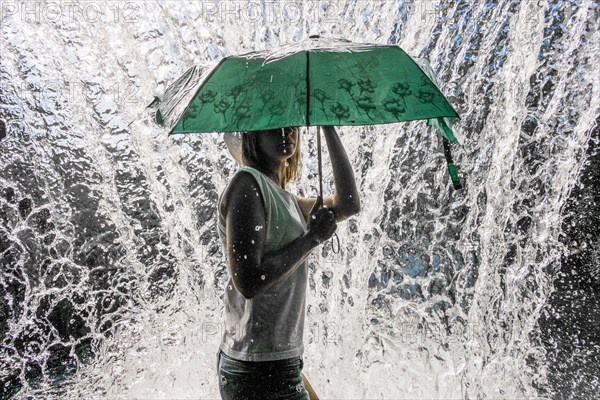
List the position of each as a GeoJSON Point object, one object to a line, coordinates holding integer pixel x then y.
{"type": "Point", "coordinates": [345, 202]}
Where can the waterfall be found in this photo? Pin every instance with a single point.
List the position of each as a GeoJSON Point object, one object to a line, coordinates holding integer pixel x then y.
{"type": "Point", "coordinates": [112, 275]}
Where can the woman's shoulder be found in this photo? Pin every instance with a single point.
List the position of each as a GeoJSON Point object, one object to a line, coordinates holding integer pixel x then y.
{"type": "Point", "coordinates": [242, 183]}
{"type": "Point", "coordinates": [245, 178]}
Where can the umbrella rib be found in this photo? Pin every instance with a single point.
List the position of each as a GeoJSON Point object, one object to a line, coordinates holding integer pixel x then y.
{"type": "Point", "coordinates": [435, 86]}
{"type": "Point", "coordinates": [210, 74]}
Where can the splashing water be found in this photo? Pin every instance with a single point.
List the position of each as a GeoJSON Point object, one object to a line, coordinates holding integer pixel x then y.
{"type": "Point", "coordinates": [112, 273]}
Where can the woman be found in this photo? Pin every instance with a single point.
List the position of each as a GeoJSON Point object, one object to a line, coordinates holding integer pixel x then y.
{"type": "Point", "coordinates": [267, 233]}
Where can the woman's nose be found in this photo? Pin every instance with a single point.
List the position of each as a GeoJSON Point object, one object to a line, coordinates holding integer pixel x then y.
{"type": "Point", "coordinates": [289, 132]}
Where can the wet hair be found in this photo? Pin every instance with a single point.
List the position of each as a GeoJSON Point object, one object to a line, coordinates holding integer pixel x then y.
{"type": "Point", "coordinates": [251, 156]}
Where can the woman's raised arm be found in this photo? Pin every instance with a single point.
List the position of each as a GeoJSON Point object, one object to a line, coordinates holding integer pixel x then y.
{"type": "Point", "coordinates": [345, 201]}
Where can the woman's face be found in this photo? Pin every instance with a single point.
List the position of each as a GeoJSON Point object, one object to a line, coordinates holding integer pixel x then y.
{"type": "Point", "coordinates": [278, 144]}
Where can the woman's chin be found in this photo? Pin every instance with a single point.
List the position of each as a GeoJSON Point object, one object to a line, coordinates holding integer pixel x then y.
{"type": "Point", "coordinates": [289, 150]}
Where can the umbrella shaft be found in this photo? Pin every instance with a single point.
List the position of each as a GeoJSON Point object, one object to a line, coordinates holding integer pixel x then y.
{"type": "Point", "coordinates": [319, 161]}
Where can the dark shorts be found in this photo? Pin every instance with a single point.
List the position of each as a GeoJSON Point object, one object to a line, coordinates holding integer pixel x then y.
{"type": "Point", "coordinates": [265, 380]}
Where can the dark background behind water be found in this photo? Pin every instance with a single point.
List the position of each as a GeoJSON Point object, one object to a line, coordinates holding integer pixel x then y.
{"type": "Point", "coordinates": [111, 270]}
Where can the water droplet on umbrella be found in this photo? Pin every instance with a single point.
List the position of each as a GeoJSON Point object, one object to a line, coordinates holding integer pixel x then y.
{"type": "Point", "coordinates": [263, 277]}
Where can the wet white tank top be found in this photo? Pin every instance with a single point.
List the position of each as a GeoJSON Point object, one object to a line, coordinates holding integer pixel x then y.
{"type": "Point", "coordinates": [270, 326]}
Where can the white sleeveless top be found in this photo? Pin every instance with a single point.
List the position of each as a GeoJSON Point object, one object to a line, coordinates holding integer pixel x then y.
{"type": "Point", "coordinates": [270, 326]}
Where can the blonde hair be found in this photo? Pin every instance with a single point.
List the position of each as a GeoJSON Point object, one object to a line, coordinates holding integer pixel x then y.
{"type": "Point", "coordinates": [252, 158]}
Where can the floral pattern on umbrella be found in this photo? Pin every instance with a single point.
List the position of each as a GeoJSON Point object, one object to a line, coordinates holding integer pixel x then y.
{"type": "Point", "coordinates": [373, 85]}
{"type": "Point", "coordinates": [314, 82]}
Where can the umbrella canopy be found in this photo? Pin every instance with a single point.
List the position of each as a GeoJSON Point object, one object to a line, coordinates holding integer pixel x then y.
{"type": "Point", "coordinates": [313, 83]}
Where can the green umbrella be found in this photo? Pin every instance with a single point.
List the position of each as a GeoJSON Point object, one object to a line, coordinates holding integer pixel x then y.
{"type": "Point", "coordinates": [313, 83]}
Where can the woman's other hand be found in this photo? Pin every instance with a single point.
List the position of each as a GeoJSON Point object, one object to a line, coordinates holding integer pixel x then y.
{"type": "Point", "coordinates": [321, 223]}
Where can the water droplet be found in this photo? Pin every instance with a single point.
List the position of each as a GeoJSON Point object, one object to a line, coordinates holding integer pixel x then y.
{"type": "Point", "coordinates": [258, 227]}
{"type": "Point", "coordinates": [252, 241]}
{"type": "Point", "coordinates": [245, 257]}
{"type": "Point", "coordinates": [230, 287]}
{"type": "Point", "coordinates": [263, 277]}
